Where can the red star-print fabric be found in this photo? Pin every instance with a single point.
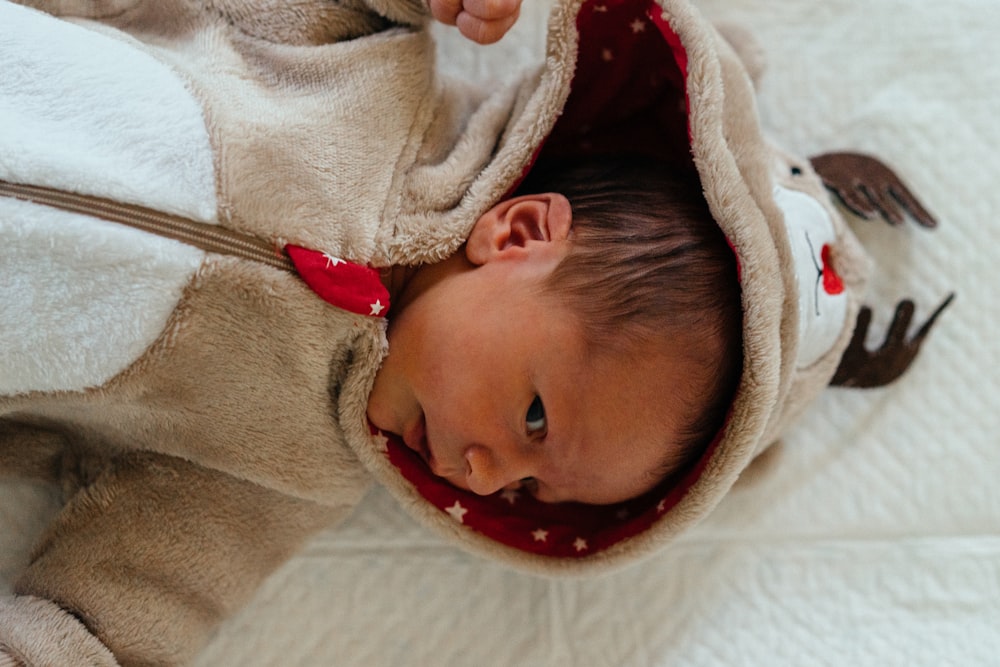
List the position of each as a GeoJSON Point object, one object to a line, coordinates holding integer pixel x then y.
{"type": "Point", "coordinates": [514, 518]}
{"type": "Point", "coordinates": [628, 94]}
{"type": "Point", "coordinates": [351, 287]}
{"type": "Point", "coordinates": [628, 91]}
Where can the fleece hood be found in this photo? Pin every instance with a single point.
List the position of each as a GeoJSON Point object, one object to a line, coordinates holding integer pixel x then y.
{"type": "Point", "coordinates": [655, 76]}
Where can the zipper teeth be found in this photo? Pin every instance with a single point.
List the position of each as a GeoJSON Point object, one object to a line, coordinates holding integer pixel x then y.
{"type": "Point", "coordinates": [202, 235]}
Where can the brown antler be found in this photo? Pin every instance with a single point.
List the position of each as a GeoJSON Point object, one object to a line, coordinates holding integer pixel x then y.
{"type": "Point", "coordinates": [869, 188]}
{"type": "Point", "coordinates": [865, 369]}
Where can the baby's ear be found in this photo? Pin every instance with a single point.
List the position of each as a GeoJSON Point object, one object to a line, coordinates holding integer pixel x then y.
{"type": "Point", "coordinates": [515, 226]}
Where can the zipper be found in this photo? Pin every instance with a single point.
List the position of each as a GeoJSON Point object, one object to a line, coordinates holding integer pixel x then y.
{"type": "Point", "coordinates": [210, 238]}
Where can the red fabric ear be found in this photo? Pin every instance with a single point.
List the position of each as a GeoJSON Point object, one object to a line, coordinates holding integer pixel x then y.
{"type": "Point", "coordinates": [351, 287]}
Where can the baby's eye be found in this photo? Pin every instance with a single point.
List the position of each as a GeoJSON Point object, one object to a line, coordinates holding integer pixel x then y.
{"type": "Point", "coordinates": [535, 419]}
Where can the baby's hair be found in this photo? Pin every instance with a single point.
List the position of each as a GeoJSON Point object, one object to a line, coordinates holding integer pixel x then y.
{"type": "Point", "coordinates": [648, 268]}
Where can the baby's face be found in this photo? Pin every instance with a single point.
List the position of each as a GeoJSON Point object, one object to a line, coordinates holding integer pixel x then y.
{"type": "Point", "coordinates": [490, 381]}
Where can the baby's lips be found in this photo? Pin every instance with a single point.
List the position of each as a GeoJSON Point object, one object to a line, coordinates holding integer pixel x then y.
{"type": "Point", "coordinates": [416, 438]}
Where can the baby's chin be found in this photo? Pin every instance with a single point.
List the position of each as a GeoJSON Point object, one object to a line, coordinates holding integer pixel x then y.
{"type": "Point", "coordinates": [379, 417]}
{"type": "Point", "coordinates": [390, 403]}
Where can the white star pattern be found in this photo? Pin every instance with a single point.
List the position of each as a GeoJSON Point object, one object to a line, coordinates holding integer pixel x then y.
{"type": "Point", "coordinates": [540, 535]}
{"type": "Point", "coordinates": [580, 544]}
{"type": "Point", "coordinates": [661, 506]}
{"type": "Point", "coordinates": [601, 8]}
{"type": "Point", "coordinates": [457, 512]}
{"type": "Point", "coordinates": [638, 26]}
{"type": "Point", "coordinates": [381, 442]}
{"type": "Point", "coordinates": [607, 55]}
{"type": "Point", "coordinates": [332, 261]}
{"type": "Point", "coordinates": [510, 495]}
{"type": "Point", "coordinates": [377, 307]}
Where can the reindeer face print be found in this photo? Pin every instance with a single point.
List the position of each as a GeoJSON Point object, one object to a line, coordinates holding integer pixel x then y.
{"type": "Point", "coordinates": [822, 299]}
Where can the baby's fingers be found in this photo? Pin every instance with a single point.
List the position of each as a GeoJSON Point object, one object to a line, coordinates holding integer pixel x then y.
{"type": "Point", "coordinates": [485, 31]}
{"type": "Point", "coordinates": [445, 11]}
{"type": "Point", "coordinates": [492, 10]}
{"type": "Point", "coordinates": [482, 21]}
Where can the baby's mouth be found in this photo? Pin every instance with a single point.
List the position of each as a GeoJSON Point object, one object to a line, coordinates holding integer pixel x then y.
{"type": "Point", "coordinates": [416, 439]}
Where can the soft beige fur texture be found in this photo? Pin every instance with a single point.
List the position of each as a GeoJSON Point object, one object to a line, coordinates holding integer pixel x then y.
{"type": "Point", "coordinates": [241, 431]}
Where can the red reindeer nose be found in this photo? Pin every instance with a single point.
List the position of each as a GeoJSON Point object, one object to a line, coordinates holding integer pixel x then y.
{"type": "Point", "coordinates": [833, 284]}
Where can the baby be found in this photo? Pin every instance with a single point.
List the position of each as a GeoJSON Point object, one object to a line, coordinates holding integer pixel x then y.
{"type": "Point", "coordinates": [584, 345]}
{"type": "Point", "coordinates": [581, 355]}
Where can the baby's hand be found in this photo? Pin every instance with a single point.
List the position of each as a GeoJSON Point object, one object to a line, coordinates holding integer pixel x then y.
{"type": "Point", "coordinates": [482, 21]}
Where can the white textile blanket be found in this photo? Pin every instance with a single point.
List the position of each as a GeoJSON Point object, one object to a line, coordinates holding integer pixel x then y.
{"type": "Point", "coordinates": [875, 540]}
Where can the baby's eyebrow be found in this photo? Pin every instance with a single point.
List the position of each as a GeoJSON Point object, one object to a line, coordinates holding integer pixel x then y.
{"type": "Point", "coordinates": [656, 473]}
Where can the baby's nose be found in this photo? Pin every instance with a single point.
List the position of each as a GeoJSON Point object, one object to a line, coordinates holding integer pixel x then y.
{"type": "Point", "coordinates": [488, 473]}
